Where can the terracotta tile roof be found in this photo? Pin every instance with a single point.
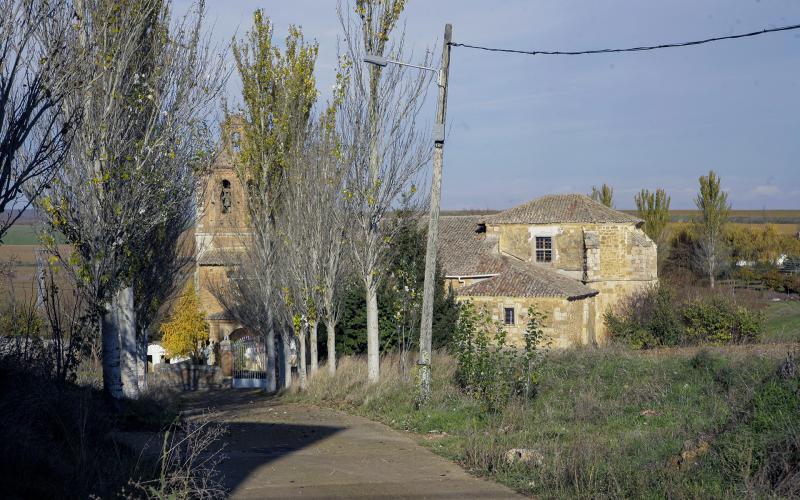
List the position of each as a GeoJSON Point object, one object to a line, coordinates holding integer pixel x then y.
{"type": "Point", "coordinates": [518, 279]}
{"type": "Point", "coordinates": [560, 208]}
{"type": "Point", "coordinates": [462, 250]}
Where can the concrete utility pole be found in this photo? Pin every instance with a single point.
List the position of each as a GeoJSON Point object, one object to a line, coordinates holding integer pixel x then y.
{"type": "Point", "coordinates": [426, 327]}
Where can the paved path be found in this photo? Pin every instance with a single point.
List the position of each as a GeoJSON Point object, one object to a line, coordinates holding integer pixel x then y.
{"type": "Point", "coordinates": [280, 450]}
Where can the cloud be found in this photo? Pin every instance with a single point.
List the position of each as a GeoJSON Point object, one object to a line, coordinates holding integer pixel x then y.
{"type": "Point", "coordinates": [764, 190]}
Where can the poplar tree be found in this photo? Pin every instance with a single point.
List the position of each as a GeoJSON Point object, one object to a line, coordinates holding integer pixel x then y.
{"type": "Point", "coordinates": [147, 88]}
{"type": "Point", "coordinates": [653, 209]}
{"type": "Point", "coordinates": [714, 208]}
{"type": "Point", "coordinates": [279, 92]}
{"type": "Point", "coordinates": [382, 143]}
{"type": "Point", "coordinates": [604, 195]}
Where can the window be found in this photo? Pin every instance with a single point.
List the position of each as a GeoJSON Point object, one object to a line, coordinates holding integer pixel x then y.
{"type": "Point", "coordinates": [225, 196]}
{"type": "Point", "coordinates": [236, 142]}
{"type": "Point", "coordinates": [509, 315]}
{"type": "Point", "coordinates": [544, 249]}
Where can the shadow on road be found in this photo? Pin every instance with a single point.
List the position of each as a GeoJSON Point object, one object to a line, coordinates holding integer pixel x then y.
{"type": "Point", "coordinates": [251, 446]}
{"type": "Point", "coordinates": [252, 441]}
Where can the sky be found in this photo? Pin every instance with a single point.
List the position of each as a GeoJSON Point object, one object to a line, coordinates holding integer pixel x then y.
{"type": "Point", "coordinates": [523, 126]}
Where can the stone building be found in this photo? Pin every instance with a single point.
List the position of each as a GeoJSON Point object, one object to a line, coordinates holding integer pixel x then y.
{"type": "Point", "coordinates": [567, 255]}
{"type": "Point", "coordinates": [221, 230]}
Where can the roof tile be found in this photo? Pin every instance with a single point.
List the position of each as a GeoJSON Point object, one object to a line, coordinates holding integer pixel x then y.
{"type": "Point", "coordinates": [554, 208]}
{"type": "Point", "coordinates": [518, 279]}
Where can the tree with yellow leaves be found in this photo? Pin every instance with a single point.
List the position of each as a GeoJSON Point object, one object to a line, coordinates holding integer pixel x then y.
{"type": "Point", "coordinates": [186, 332]}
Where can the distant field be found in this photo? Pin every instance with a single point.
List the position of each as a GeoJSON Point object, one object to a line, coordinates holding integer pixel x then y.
{"type": "Point", "coordinates": [787, 218]}
{"type": "Point", "coordinates": [783, 217]}
{"type": "Point", "coordinates": [24, 234]}
{"type": "Point", "coordinates": [790, 229]}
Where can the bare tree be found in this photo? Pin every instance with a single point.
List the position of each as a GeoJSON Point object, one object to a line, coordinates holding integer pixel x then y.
{"type": "Point", "coordinates": [311, 232]}
{"type": "Point", "coordinates": [333, 231]}
{"type": "Point", "coordinates": [714, 208]}
{"type": "Point", "coordinates": [35, 130]}
{"type": "Point", "coordinates": [383, 146]}
{"type": "Point", "coordinates": [131, 169]}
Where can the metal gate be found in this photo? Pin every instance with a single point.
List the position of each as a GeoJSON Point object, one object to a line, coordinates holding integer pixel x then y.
{"type": "Point", "coordinates": [249, 362]}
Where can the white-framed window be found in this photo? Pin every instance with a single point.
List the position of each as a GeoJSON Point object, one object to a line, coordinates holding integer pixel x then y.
{"type": "Point", "coordinates": [508, 315]}
{"type": "Point", "coordinates": [544, 249]}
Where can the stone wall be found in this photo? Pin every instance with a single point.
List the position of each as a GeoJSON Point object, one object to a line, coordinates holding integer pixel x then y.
{"type": "Point", "coordinates": [568, 323]}
{"type": "Point", "coordinates": [612, 294]}
{"type": "Point", "coordinates": [208, 278]}
{"type": "Point", "coordinates": [615, 259]}
{"type": "Point", "coordinates": [621, 251]}
{"type": "Point", "coordinates": [186, 376]}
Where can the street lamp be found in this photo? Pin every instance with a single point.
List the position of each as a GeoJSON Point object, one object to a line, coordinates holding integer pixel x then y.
{"type": "Point", "coordinates": [426, 326]}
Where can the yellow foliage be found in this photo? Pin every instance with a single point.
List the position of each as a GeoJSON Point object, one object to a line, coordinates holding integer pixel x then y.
{"type": "Point", "coordinates": [187, 330]}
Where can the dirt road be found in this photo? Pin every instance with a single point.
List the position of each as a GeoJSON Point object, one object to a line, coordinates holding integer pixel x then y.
{"type": "Point", "coordinates": [290, 451]}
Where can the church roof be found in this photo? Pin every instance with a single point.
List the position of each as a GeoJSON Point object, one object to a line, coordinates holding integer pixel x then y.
{"type": "Point", "coordinates": [518, 279]}
{"type": "Point", "coordinates": [555, 208]}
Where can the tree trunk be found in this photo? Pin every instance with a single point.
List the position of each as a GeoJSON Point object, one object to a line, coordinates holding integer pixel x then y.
{"type": "Point", "coordinates": [373, 335]}
{"type": "Point", "coordinates": [272, 384]}
{"type": "Point", "coordinates": [301, 368]}
{"type": "Point", "coordinates": [712, 264]}
{"type": "Point", "coordinates": [125, 316]}
{"type": "Point", "coordinates": [330, 326]}
{"type": "Point", "coordinates": [112, 377]}
{"type": "Point", "coordinates": [312, 340]}
{"type": "Point", "coordinates": [141, 361]}
{"type": "Point", "coordinates": [287, 360]}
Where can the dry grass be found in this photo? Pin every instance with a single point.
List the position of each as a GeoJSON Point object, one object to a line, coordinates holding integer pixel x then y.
{"type": "Point", "coordinates": [349, 387]}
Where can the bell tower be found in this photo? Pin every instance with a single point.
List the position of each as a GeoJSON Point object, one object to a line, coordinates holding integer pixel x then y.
{"type": "Point", "coordinates": [222, 227]}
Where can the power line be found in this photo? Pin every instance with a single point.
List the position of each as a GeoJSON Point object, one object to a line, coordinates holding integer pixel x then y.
{"type": "Point", "coordinates": [630, 49]}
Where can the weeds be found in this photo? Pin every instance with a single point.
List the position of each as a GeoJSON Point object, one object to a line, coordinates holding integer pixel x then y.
{"type": "Point", "coordinates": [190, 454]}
{"type": "Point", "coordinates": [489, 369]}
{"type": "Point", "coordinates": [606, 423]}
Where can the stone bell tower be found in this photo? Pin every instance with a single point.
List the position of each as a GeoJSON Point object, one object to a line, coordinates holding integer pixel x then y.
{"type": "Point", "coordinates": [221, 229]}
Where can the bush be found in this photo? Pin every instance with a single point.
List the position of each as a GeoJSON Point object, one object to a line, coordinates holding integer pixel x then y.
{"type": "Point", "coordinates": [489, 369]}
{"type": "Point", "coordinates": [654, 318]}
{"type": "Point", "coordinates": [719, 321]}
{"type": "Point", "coordinates": [648, 319]}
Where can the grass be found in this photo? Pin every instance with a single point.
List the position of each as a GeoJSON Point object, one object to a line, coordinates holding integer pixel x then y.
{"type": "Point", "coordinates": [783, 322]}
{"type": "Point", "coordinates": [607, 422]}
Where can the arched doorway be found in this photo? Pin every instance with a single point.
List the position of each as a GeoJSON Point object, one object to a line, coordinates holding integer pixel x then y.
{"type": "Point", "coordinates": [249, 359]}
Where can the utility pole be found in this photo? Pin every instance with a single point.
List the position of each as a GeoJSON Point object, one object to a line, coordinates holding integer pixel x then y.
{"type": "Point", "coordinates": [426, 327]}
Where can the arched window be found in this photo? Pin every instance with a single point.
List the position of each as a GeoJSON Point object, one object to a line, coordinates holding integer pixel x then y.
{"type": "Point", "coordinates": [236, 142]}
{"type": "Point", "coordinates": [225, 196]}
